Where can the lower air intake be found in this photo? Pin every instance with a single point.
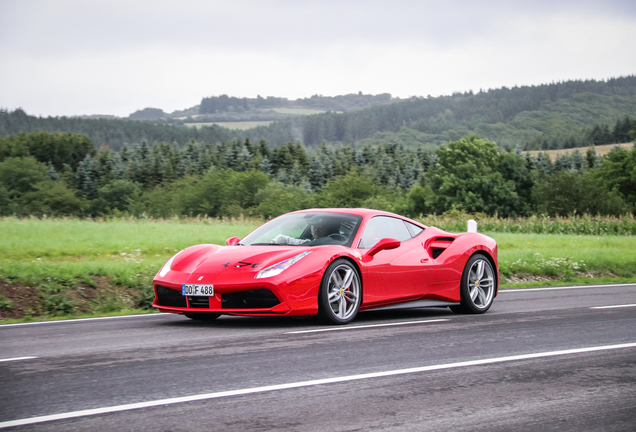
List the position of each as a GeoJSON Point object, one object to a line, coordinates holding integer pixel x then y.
{"type": "Point", "coordinates": [253, 299]}
{"type": "Point", "coordinates": [170, 297]}
{"type": "Point", "coordinates": [199, 302]}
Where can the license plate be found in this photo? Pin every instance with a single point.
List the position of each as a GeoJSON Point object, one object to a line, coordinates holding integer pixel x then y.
{"type": "Point", "coordinates": [197, 290]}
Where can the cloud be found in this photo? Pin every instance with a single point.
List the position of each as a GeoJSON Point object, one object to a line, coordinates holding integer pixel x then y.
{"type": "Point", "coordinates": [76, 57]}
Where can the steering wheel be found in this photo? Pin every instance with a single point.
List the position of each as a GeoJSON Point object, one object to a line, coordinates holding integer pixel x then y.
{"type": "Point", "coordinates": [337, 237]}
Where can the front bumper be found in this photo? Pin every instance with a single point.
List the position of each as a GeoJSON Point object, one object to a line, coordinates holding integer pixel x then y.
{"type": "Point", "coordinates": [250, 301]}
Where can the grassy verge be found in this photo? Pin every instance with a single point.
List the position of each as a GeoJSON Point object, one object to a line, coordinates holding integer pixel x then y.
{"type": "Point", "coordinates": [58, 267]}
{"type": "Point", "coordinates": [540, 259]}
{"type": "Point", "coordinates": [71, 267]}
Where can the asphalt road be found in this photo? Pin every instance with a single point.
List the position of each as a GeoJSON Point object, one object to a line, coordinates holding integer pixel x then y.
{"type": "Point", "coordinates": [540, 359]}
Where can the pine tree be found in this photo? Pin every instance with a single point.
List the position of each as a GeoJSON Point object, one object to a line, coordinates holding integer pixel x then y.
{"type": "Point", "coordinates": [578, 161]}
{"type": "Point", "coordinates": [543, 164]}
{"type": "Point", "coordinates": [53, 172]}
{"type": "Point", "coordinates": [117, 167]}
{"type": "Point", "coordinates": [266, 166]}
{"type": "Point", "coordinates": [317, 174]}
{"type": "Point", "coordinates": [87, 178]}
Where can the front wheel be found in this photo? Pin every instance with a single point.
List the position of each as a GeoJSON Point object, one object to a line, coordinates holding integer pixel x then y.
{"type": "Point", "coordinates": [478, 286]}
{"type": "Point", "coordinates": [340, 293]}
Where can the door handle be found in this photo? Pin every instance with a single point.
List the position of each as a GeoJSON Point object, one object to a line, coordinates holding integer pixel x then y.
{"type": "Point", "coordinates": [424, 260]}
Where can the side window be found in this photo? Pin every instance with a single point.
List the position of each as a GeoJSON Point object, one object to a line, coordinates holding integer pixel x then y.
{"type": "Point", "coordinates": [414, 229]}
{"type": "Point", "coordinates": [383, 227]}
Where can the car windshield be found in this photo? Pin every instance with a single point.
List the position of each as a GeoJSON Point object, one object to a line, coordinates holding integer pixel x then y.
{"type": "Point", "coordinates": [306, 229]}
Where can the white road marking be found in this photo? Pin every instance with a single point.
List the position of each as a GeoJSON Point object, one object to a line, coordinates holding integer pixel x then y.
{"type": "Point", "coordinates": [294, 385]}
{"type": "Point", "coordinates": [365, 326]}
{"type": "Point", "coordinates": [613, 306]}
{"type": "Point", "coordinates": [16, 359]}
{"type": "Point", "coordinates": [507, 290]}
{"type": "Point", "coordinates": [82, 319]}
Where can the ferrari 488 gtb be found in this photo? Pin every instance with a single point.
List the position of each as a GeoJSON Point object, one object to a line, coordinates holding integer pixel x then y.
{"type": "Point", "coordinates": [333, 263]}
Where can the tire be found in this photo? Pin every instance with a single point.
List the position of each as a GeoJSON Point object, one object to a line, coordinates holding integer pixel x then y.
{"type": "Point", "coordinates": [478, 286]}
{"type": "Point", "coordinates": [202, 316]}
{"type": "Point", "coordinates": [340, 293]}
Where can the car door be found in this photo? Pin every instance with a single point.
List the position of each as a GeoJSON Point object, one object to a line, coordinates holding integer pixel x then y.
{"type": "Point", "coordinates": [395, 274]}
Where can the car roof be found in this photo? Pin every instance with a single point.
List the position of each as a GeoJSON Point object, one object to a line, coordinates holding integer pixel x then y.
{"type": "Point", "coordinates": [364, 212]}
{"type": "Point", "coordinates": [353, 211]}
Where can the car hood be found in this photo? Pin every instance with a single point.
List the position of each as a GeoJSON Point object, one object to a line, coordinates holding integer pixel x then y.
{"type": "Point", "coordinates": [214, 259]}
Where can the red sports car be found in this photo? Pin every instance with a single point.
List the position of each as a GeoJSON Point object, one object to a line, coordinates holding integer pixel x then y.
{"type": "Point", "coordinates": [333, 263]}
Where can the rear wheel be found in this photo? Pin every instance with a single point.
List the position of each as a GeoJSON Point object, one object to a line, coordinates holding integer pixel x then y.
{"type": "Point", "coordinates": [478, 286]}
{"type": "Point", "coordinates": [340, 293]}
{"type": "Point", "coordinates": [202, 316]}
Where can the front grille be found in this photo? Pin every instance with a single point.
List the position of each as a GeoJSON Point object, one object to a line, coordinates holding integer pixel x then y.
{"type": "Point", "coordinates": [170, 297]}
{"type": "Point", "coordinates": [253, 299]}
{"type": "Point", "coordinates": [199, 302]}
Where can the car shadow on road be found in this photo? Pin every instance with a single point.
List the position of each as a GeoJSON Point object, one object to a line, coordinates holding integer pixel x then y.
{"type": "Point", "coordinates": [295, 323]}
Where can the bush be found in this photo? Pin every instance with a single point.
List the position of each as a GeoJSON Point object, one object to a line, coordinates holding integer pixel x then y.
{"type": "Point", "coordinates": [19, 175]}
{"type": "Point", "coordinates": [467, 177]}
{"type": "Point", "coordinates": [55, 300]}
{"type": "Point", "coordinates": [221, 192]}
{"type": "Point", "coordinates": [350, 190]}
{"type": "Point", "coordinates": [52, 199]}
{"type": "Point", "coordinates": [276, 199]}
{"type": "Point", "coordinates": [5, 202]}
{"type": "Point", "coordinates": [117, 195]}
{"type": "Point", "coordinates": [55, 148]}
{"type": "Point", "coordinates": [5, 304]}
{"type": "Point", "coordinates": [566, 192]}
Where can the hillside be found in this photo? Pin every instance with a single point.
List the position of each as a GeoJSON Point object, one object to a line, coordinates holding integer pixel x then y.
{"type": "Point", "coordinates": [556, 114]}
{"type": "Point", "coordinates": [226, 108]}
{"type": "Point", "coordinates": [550, 116]}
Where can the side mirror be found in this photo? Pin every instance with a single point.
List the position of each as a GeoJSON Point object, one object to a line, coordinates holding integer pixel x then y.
{"type": "Point", "coordinates": [232, 241]}
{"type": "Point", "coordinates": [384, 244]}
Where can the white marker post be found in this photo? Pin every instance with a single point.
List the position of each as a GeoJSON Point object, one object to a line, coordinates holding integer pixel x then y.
{"type": "Point", "coordinates": [472, 226]}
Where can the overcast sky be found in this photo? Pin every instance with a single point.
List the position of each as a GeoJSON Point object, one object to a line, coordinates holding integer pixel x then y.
{"type": "Point", "coordinates": [74, 57]}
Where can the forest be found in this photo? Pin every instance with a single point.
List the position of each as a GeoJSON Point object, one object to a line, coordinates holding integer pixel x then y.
{"type": "Point", "coordinates": [61, 174]}
{"type": "Point", "coordinates": [416, 157]}
{"type": "Point", "coordinates": [551, 116]}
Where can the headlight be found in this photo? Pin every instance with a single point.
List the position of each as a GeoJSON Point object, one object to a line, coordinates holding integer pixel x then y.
{"type": "Point", "coordinates": [166, 267]}
{"type": "Point", "coordinates": [278, 268]}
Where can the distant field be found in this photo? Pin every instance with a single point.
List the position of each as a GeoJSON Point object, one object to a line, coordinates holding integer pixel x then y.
{"type": "Point", "coordinates": [232, 125]}
{"type": "Point", "coordinates": [602, 149]}
{"type": "Point", "coordinates": [298, 111]}
{"type": "Point", "coordinates": [244, 125]}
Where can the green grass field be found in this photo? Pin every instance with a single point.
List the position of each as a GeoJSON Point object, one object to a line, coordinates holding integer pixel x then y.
{"type": "Point", "coordinates": [82, 266]}
{"type": "Point", "coordinates": [567, 257]}
{"type": "Point", "coordinates": [33, 250]}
